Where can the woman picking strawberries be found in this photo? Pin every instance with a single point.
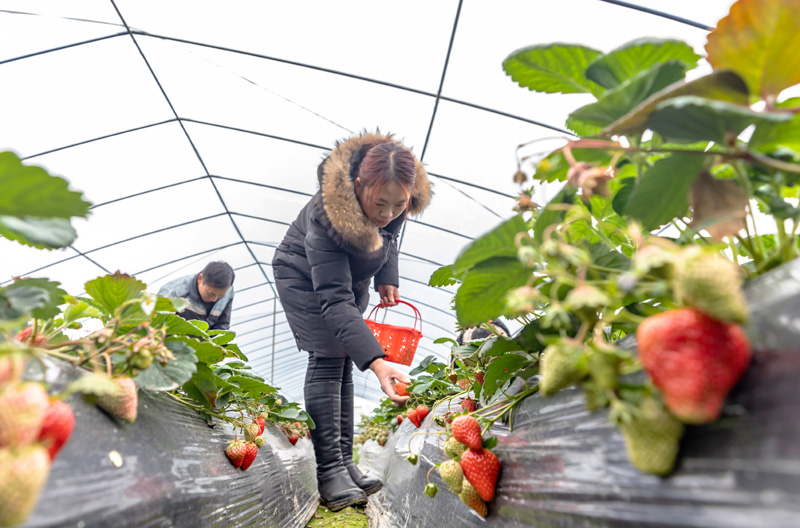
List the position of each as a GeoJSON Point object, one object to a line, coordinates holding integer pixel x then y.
{"type": "Point", "coordinates": [343, 237]}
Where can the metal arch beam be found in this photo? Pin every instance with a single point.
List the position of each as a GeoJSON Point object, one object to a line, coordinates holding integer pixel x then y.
{"type": "Point", "coordinates": [658, 13]}
{"type": "Point", "coordinates": [189, 139]}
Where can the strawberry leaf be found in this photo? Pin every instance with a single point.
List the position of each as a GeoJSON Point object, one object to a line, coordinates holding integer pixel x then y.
{"type": "Point", "coordinates": [553, 68]}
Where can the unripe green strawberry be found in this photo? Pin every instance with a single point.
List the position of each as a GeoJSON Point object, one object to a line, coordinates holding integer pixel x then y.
{"type": "Point", "coordinates": [259, 442]}
{"type": "Point", "coordinates": [711, 283]}
{"type": "Point", "coordinates": [467, 430]}
{"type": "Point", "coordinates": [452, 475]}
{"type": "Point", "coordinates": [23, 473]}
{"type": "Point", "coordinates": [141, 359]}
{"type": "Point", "coordinates": [652, 437]}
{"type": "Point", "coordinates": [22, 409]}
{"type": "Point", "coordinates": [694, 359]}
{"type": "Point", "coordinates": [123, 404]}
{"type": "Point", "coordinates": [481, 468]}
{"type": "Point", "coordinates": [236, 451]}
{"type": "Point", "coordinates": [470, 497]}
{"type": "Point", "coordinates": [454, 449]}
{"type": "Point", "coordinates": [604, 368]}
{"type": "Point", "coordinates": [251, 431]}
{"type": "Point", "coordinates": [558, 367]}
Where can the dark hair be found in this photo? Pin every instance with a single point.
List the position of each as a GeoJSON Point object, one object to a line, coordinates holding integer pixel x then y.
{"type": "Point", "coordinates": [383, 163]}
{"type": "Point", "coordinates": [218, 274]}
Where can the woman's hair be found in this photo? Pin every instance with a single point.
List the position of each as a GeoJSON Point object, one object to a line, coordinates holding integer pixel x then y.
{"type": "Point", "coordinates": [383, 163]}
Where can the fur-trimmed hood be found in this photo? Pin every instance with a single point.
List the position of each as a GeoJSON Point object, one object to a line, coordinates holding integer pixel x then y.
{"type": "Point", "coordinates": [338, 208]}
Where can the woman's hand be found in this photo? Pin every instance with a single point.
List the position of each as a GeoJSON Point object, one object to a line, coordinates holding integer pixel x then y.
{"type": "Point", "coordinates": [389, 295]}
{"type": "Point", "coordinates": [386, 376]}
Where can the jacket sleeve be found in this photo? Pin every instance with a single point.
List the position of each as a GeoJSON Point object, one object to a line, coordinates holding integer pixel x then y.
{"type": "Point", "coordinates": [333, 288]}
{"type": "Point", "coordinates": [389, 273]}
{"type": "Point", "coordinates": [224, 319]}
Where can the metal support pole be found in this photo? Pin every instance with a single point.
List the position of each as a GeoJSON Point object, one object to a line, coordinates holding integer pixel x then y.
{"type": "Point", "coordinates": [274, 316]}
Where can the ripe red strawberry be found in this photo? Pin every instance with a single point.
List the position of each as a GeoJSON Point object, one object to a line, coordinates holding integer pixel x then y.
{"type": "Point", "coordinates": [469, 405]}
{"type": "Point", "coordinates": [479, 376]}
{"type": "Point", "coordinates": [481, 469]}
{"type": "Point", "coordinates": [401, 388]}
{"type": "Point", "coordinates": [470, 497]}
{"type": "Point", "coordinates": [24, 336]}
{"type": "Point", "coordinates": [422, 412]}
{"type": "Point", "coordinates": [467, 431]}
{"type": "Point", "coordinates": [413, 417]}
{"type": "Point", "coordinates": [464, 383]}
{"type": "Point", "coordinates": [236, 452]}
{"type": "Point", "coordinates": [22, 409]}
{"type": "Point", "coordinates": [293, 439]}
{"type": "Point", "coordinates": [399, 419]}
{"type": "Point", "coordinates": [23, 473]}
{"type": "Point", "coordinates": [694, 359]}
{"type": "Point", "coordinates": [262, 424]}
{"type": "Point", "coordinates": [250, 455]}
{"type": "Point", "coordinates": [11, 367]}
{"type": "Point", "coordinates": [57, 426]}
{"type": "Point", "coordinates": [123, 404]}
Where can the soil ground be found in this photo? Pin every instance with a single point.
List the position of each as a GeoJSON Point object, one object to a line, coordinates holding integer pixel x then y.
{"type": "Point", "coordinates": [353, 517]}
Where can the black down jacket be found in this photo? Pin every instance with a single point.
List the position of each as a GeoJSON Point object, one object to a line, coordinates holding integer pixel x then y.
{"type": "Point", "coordinates": [325, 263]}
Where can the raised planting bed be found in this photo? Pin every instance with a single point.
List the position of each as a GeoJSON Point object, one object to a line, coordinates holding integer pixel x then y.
{"type": "Point", "coordinates": [562, 466]}
{"type": "Point", "coordinates": [169, 468]}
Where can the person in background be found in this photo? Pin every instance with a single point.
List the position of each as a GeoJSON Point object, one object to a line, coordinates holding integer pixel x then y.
{"type": "Point", "coordinates": [343, 238]}
{"type": "Point", "coordinates": [209, 295]}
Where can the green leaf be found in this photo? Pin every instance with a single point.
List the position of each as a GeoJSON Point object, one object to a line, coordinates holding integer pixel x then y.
{"type": "Point", "coordinates": [444, 276]}
{"type": "Point", "coordinates": [634, 57]}
{"type": "Point", "coordinates": [46, 310]}
{"type": "Point", "coordinates": [720, 86]}
{"type": "Point", "coordinates": [172, 375]}
{"type": "Point", "coordinates": [499, 345]}
{"type": "Point", "coordinates": [759, 39]}
{"type": "Point", "coordinates": [551, 215]}
{"type": "Point", "coordinates": [616, 103]}
{"type": "Point", "coordinates": [490, 442]}
{"type": "Point", "coordinates": [554, 167]}
{"type": "Point", "coordinates": [481, 296]}
{"type": "Point", "coordinates": [198, 323]}
{"type": "Point", "coordinates": [42, 233]}
{"type": "Point", "coordinates": [443, 340]}
{"type": "Point", "coordinates": [553, 68]}
{"type": "Point", "coordinates": [206, 351]}
{"type": "Point", "coordinates": [21, 301]}
{"type": "Point", "coordinates": [499, 242]}
{"type": "Point", "coordinates": [290, 413]}
{"type": "Point", "coordinates": [501, 369]}
{"type": "Point", "coordinates": [769, 136]}
{"type": "Point", "coordinates": [621, 199]}
{"type": "Point", "coordinates": [191, 389]}
{"type": "Point", "coordinates": [233, 351]}
{"type": "Point", "coordinates": [603, 256]}
{"type": "Point", "coordinates": [112, 291]}
{"type": "Point", "coordinates": [222, 337]}
{"type": "Point", "coordinates": [661, 194]}
{"type": "Point", "coordinates": [690, 118]}
{"type": "Point", "coordinates": [205, 382]}
{"type": "Point", "coordinates": [423, 365]}
{"type": "Point", "coordinates": [582, 129]}
{"type": "Point", "coordinates": [29, 191]}
{"type": "Point", "coordinates": [79, 310]}
{"type": "Point", "coordinates": [170, 304]}
{"type": "Point", "coordinates": [176, 325]}
{"type": "Point", "coordinates": [251, 385]}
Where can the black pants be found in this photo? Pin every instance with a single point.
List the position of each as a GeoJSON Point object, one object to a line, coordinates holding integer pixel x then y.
{"type": "Point", "coordinates": [329, 369]}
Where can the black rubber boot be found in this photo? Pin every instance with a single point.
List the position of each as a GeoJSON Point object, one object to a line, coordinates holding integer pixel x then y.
{"type": "Point", "coordinates": [336, 489]}
{"type": "Point", "coordinates": [369, 484]}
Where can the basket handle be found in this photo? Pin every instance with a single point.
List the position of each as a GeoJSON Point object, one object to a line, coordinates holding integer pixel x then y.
{"type": "Point", "coordinates": [417, 315]}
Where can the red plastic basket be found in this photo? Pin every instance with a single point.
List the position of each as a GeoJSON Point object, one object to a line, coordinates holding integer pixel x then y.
{"type": "Point", "coordinates": [399, 342]}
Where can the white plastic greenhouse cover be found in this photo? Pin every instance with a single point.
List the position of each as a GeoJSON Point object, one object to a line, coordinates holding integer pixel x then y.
{"type": "Point", "coordinates": [195, 128]}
